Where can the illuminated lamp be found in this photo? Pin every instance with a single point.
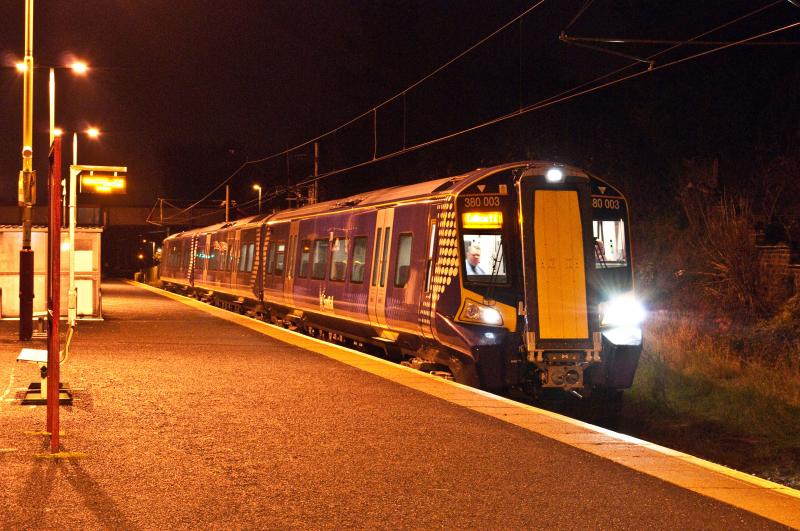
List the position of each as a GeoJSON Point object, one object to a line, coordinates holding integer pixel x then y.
{"type": "Point", "coordinates": [554, 175]}
{"type": "Point", "coordinates": [482, 220]}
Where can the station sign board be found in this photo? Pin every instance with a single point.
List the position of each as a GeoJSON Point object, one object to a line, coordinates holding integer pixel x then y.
{"type": "Point", "coordinates": [102, 179]}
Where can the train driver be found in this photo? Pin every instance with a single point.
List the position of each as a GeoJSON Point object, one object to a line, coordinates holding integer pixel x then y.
{"type": "Point", "coordinates": [473, 260]}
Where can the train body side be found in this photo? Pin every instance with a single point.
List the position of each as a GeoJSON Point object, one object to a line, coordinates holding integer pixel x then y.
{"type": "Point", "coordinates": [388, 270]}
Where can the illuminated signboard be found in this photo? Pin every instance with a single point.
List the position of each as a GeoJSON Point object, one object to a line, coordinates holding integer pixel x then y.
{"type": "Point", "coordinates": [482, 220]}
{"type": "Point", "coordinates": [103, 184]}
{"type": "Point", "coordinates": [100, 179]}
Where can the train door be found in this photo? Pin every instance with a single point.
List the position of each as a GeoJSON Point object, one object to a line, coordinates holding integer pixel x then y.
{"type": "Point", "coordinates": [556, 256]}
{"type": "Point", "coordinates": [380, 266]}
{"type": "Point", "coordinates": [291, 251]}
{"type": "Point", "coordinates": [204, 243]}
{"type": "Point", "coordinates": [236, 251]}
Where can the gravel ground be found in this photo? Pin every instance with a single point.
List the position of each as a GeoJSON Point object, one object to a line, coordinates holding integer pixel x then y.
{"type": "Point", "coordinates": [188, 421]}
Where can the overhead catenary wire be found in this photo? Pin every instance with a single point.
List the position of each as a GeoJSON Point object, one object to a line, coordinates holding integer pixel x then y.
{"type": "Point", "coordinates": [651, 58]}
{"type": "Point", "coordinates": [543, 104]}
{"type": "Point", "coordinates": [581, 41]}
{"type": "Point", "coordinates": [373, 110]}
{"type": "Point", "coordinates": [576, 91]}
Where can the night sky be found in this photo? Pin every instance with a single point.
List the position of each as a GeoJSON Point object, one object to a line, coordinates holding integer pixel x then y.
{"type": "Point", "coordinates": [186, 91]}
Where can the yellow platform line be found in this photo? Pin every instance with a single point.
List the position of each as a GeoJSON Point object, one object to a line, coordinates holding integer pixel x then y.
{"type": "Point", "coordinates": [759, 496]}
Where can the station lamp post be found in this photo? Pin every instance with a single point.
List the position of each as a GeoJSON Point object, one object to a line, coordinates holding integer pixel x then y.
{"type": "Point", "coordinates": [26, 186]}
{"type": "Point", "coordinates": [72, 295]}
{"type": "Point", "coordinates": [27, 177]}
{"type": "Point", "coordinates": [257, 187]}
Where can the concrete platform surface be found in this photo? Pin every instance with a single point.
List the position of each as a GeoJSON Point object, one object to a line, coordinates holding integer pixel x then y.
{"type": "Point", "coordinates": [185, 420]}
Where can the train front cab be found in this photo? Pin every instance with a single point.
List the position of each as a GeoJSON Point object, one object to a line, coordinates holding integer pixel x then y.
{"type": "Point", "coordinates": [581, 324]}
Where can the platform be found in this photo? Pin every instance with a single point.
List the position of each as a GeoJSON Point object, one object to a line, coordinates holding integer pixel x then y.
{"type": "Point", "coordinates": [187, 416]}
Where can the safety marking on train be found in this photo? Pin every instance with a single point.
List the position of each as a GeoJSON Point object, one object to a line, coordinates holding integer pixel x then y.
{"type": "Point", "coordinates": [759, 496]}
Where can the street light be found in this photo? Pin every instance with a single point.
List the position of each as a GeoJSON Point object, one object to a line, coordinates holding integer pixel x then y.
{"type": "Point", "coordinates": [258, 188]}
{"type": "Point", "coordinates": [72, 294]}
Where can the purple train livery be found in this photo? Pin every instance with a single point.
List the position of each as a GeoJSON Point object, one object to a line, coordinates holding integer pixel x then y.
{"type": "Point", "coordinates": [517, 276]}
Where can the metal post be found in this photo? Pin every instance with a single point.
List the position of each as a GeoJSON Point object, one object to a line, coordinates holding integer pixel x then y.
{"type": "Point", "coordinates": [227, 201]}
{"type": "Point", "coordinates": [72, 295]}
{"type": "Point", "coordinates": [312, 192]}
{"type": "Point", "coordinates": [54, 296]}
{"type": "Point", "coordinates": [27, 186]}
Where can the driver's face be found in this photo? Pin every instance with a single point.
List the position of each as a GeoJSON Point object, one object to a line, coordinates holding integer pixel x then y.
{"type": "Point", "coordinates": [474, 257]}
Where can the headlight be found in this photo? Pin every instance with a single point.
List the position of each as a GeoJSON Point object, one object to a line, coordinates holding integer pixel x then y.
{"type": "Point", "coordinates": [479, 313]}
{"type": "Point", "coordinates": [623, 310]}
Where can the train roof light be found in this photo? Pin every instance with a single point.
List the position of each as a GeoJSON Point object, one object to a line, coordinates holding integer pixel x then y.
{"type": "Point", "coordinates": [554, 175]}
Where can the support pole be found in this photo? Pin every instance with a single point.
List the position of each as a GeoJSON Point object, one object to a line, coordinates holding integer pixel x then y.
{"type": "Point", "coordinates": [72, 295]}
{"type": "Point", "coordinates": [54, 297]}
{"type": "Point", "coordinates": [314, 190]}
{"type": "Point", "coordinates": [27, 186]}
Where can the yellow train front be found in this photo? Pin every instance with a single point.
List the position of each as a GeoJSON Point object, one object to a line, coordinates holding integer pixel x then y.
{"type": "Point", "coordinates": [545, 277]}
{"type": "Point", "coordinates": [515, 276]}
{"type": "Point", "coordinates": [544, 291]}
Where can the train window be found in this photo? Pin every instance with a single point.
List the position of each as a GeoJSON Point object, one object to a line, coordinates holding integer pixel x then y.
{"type": "Point", "coordinates": [319, 260]}
{"type": "Point", "coordinates": [280, 258]}
{"type": "Point", "coordinates": [429, 262]}
{"type": "Point", "coordinates": [359, 258]}
{"type": "Point", "coordinates": [385, 255]}
{"type": "Point", "coordinates": [338, 259]}
{"type": "Point", "coordinates": [187, 254]}
{"type": "Point", "coordinates": [213, 259]}
{"type": "Point", "coordinates": [231, 258]}
{"type": "Point", "coordinates": [302, 270]}
{"type": "Point", "coordinates": [250, 252]}
{"type": "Point", "coordinates": [609, 243]}
{"type": "Point", "coordinates": [223, 256]}
{"type": "Point", "coordinates": [271, 258]}
{"type": "Point", "coordinates": [242, 257]}
{"type": "Point", "coordinates": [375, 258]}
{"type": "Point", "coordinates": [484, 258]}
{"type": "Point", "coordinates": [290, 254]}
{"type": "Point", "coordinates": [403, 263]}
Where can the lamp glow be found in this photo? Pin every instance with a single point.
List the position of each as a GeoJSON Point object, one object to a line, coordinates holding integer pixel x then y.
{"type": "Point", "coordinates": [623, 310]}
{"type": "Point", "coordinates": [21, 67]}
{"type": "Point", "coordinates": [79, 67]}
{"type": "Point", "coordinates": [554, 175]}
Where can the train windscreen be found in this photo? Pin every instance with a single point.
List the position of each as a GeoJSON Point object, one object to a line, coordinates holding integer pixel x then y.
{"type": "Point", "coordinates": [484, 258]}
{"type": "Point", "coordinates": [609, 243]}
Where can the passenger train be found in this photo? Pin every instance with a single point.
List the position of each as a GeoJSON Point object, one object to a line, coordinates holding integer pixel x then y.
{"type": "Point", "coordinates": [517, 276]}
